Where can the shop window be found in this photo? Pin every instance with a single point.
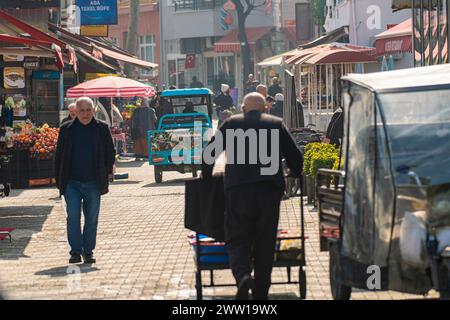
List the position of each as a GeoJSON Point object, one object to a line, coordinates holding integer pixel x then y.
{"type": "Point", "coordinates": [147, 46]}
{"type": "Point", "coordinates": [193, 45]}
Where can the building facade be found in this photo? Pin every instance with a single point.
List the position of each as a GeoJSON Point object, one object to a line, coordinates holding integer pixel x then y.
{"type": "Point", "coordinates": [149, 40]}
{"type": "Point", "coordinates": [365, 20]}
{"type": "Point", "coordinates": [201, 40]}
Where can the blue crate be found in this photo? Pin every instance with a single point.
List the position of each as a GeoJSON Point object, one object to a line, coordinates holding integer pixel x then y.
{"type": "Point", "coordinates": [211, 247]}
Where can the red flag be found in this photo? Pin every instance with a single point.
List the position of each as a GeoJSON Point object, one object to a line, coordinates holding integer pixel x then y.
{"type": "Point", "coordinates": [190, 61]}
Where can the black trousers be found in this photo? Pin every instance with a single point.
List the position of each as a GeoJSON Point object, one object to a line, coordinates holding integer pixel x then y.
{"type": "Point", "coordinates": [251, 222]}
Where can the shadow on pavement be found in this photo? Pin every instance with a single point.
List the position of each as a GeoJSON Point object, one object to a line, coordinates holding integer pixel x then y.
{"type": "Point", "coordinates": [67, 270]}
{"type": "Point", "coordinates": [131, 164]}
{"type": "Point", "coordinates": [170, 183]}
{"type": "Point", "coordinates": [27, 220]}
{"type": "Point", "coordinates": [275, 296]}
{"type": "Point", "coordinates": [119, 182]}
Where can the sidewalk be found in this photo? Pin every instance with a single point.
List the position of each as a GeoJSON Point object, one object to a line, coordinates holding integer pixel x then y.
{"type": "Point", "coordinates": [142, 249]}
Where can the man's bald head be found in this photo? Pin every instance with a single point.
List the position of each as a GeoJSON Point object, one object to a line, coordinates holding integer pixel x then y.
{"type": "Point", "coordinates": [262, 89]}
{"type": "Point", "coordinates": [254, 102]}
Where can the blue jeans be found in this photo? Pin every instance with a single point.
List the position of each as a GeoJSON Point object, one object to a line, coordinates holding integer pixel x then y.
{"type": "Point", "coordinates": [78, 195]}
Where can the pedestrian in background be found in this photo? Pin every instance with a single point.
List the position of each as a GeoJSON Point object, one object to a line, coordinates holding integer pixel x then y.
{"type": "Point", "coordinates": [262, 89]}
{"type": "Point", "coordinates": [143, 120]}
{"type": "Point", "coordinates": [84, 163]}
{"type": "Point", "coordinates": [223, 101]}
{"type": "Point", "coordinates": [72, 113]}
{"type": "Point", "coordinates": [249, 87]}
{"type": "Point", "coordinates": [195, 83]}
{"type": "Point", "coordinates": [275, 88]}
{"type": "Point", "coordinates": [253, 199]}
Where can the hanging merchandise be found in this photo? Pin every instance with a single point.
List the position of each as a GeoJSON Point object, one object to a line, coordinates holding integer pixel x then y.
{"type": "Point", "coordinates": [229, 6]}
{"type": "Point", "coordinates": [223, 17]}
{"type": "Point", "coordinates": [229, 19]}
{"type": "Point", "coordinates": [268, 7]}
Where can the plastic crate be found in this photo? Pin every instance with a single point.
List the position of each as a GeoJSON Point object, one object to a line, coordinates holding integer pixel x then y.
{"type": "Point", "coordinates": [42, 169]}
{"type": "Point", "coordinates": [18, 169]}
{"type": "Point", "coordinates": [209, 246]}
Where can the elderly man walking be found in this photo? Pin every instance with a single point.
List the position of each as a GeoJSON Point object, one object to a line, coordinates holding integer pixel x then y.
{"type": "Point", "coordinates": [253, 194]}
{"type": "Point", "coordinates": [85, 157]}
{"type": "Point", "coordinates": [72, 113]}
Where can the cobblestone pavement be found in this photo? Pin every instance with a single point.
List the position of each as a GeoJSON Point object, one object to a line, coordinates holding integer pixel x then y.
{"type": "Point", "coordinates": [142, 249]}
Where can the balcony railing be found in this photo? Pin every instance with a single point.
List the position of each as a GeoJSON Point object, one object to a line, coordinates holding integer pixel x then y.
{"type": "Point", "coordinates": [192, 5]}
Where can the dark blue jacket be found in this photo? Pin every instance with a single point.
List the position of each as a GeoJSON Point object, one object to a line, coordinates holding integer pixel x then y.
{"type": "Point", "coordinates": [104, 155]}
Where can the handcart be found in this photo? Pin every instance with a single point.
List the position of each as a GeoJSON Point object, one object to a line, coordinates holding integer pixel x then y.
{"type": "Point", "coordinates": [211, 256]}
{"type": "Point", "coordinates": [302, 137]}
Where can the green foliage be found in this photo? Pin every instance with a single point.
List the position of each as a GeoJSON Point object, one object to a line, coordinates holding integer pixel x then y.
{"type": "Point", "coordinates": [319, 156]}
{"type": "Point", "coordinates": [318, 12]}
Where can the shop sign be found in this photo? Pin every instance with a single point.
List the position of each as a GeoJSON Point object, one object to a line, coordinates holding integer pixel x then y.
{"type": "Point", "coordinates": [97, 12]}
{"type": "Point", "coordinates": [393, 46]}
{"type": "Point", "coordinates": [94, 31]}
{"type": "Point", "coordinates": [45, 75]}
{"type": "Point", "coordinates": [31, 64]}
{"type": "Point", "coordinates": [13, 78]}
{"type": "Point", "coordinates": [92, 76]}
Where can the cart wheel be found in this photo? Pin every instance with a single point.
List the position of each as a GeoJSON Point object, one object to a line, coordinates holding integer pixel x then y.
{"type": "Point", "coordinates": [339, 291]}
{"type": "Point", "coordinates": [302, 282]}
{"type": "Point", "coordinates": [194, 174]}
{"type": "Point", "coordinates": [198, 285]}
{"type": "Point", "coordinates": [158, 175]}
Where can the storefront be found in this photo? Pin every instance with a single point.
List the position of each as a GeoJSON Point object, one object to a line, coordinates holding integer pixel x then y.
{"type": "Point", "coordinates": [31, 99]}
{"type": "Point", "coordinates": [394, 47]}
{"type": "Point", "coordinates": [430, 30]}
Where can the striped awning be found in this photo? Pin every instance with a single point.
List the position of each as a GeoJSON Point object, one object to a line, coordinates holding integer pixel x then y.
{"type": "Point", "coordinates": [395, 40]}
{"type": "Point", "coordinates": [231, 43]}
{"type": "Point", "coordinates": [111, 87]}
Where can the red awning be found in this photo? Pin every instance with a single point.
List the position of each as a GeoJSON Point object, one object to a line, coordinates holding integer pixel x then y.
{"type": "Point", "coordinates": [32, 31]}
{"type": "Point", "coordinates": [128, 59]}
{"type": "Point", "coordinates": [395, 40]}
{"type": "Point", "coordinates": [231, 43]}
{"type": "Point", "coordinates": [331, 54]}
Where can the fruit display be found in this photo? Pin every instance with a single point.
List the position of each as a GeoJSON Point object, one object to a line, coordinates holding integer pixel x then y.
{"type": "Point", "coordinates": [41, 141]}
{"type": "Point", "coordinates": [45, 139]}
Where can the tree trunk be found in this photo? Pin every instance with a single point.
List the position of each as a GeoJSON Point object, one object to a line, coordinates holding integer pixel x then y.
{"type": "Point", "coordinates": [132, 37]}
{"type": "Point", "coordinates": [242, 35]}
{"type": "Point", "coordinates": [245, 47]}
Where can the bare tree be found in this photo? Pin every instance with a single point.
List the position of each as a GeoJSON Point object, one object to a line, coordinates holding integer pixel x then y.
{"type": "Point", "coordinates": [243, 10]}
{"type": "Point", "coordinates": [132, 36]}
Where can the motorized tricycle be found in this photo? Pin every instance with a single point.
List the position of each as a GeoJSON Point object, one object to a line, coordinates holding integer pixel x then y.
{"type": "Point", "coordinates": [385, 218]}
{"type": "Point", "coordinates": [178, 142]}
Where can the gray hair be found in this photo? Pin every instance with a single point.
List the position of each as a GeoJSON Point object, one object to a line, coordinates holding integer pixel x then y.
{"type": "Point", "coordinates": [84, 99]}
{"type": "Point", "coordinates": [71, 106]}
{"type": "Point", "coordinates": [261, 87]}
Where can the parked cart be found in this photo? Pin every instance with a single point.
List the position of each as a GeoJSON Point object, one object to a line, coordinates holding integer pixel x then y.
{"type": "Point", "coordinates": [211, 256]}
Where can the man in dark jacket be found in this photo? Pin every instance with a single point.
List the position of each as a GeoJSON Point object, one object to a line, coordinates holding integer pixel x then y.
{"type": "Point", "coordinates": [223, 101]}
{"type": "Point", "coordinates": [253, 190]}
{"type": "Point", "coordinates": [335, 130]}
{"type": "Point", "coordinates": [275, 88]}
{"type": "Point", "coordinates": [84, 162]}
{"type": "Point", "coordinates": [72, 113]}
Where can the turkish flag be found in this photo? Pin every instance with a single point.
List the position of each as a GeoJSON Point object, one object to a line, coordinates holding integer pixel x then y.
{"type": "Point", "coordinates": [190, 61]}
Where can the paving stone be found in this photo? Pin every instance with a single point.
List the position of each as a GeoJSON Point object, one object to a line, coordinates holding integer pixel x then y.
{"type": "Point", "coordinates": [142, 248]}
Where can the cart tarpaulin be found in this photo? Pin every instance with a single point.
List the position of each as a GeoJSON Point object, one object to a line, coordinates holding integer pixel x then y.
{"type": "Point", "coordinates": [205, 207]}
{"type": "Point", "coordinates": [358, 237]}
